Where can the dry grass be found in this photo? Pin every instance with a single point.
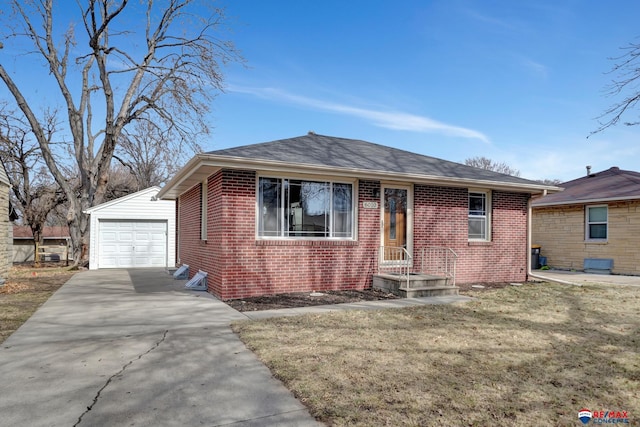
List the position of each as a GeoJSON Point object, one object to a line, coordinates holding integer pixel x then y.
{"type": "Point", "coordinates": [25, 291]}
{"type": "Point", "coordinates": [518, 356]}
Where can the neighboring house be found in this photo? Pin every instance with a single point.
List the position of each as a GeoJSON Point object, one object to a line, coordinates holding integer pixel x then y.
{"type": "Point", "coordinates": [312, 212]}
{"type": "Point", "coordinates": [136, 230]}
{"type": "Point", "coordinates": [55, 239]}
{"type": "Point", "coordinates": [5, 226]}
{"type": "Point", "coordinates": [596, 218]}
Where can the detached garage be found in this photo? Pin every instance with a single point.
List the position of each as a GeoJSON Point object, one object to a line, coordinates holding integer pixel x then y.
{"type": "Point", "coordinates": [134, 231]}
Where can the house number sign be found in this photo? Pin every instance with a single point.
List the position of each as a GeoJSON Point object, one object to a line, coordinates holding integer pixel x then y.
{"type": "Point", "coordinates": [370, 205]}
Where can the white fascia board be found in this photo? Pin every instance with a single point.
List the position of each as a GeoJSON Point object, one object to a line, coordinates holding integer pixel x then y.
{"type": "Point", "coordinates": [194, 172]}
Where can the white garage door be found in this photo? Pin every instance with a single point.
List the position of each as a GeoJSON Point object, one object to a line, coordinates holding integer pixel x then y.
{"type": "Point", "coordinates": [126, 244]}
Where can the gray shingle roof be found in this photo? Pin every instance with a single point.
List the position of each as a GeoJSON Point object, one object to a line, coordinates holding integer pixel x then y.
{"type": "Point", "coordinates": [321, 150]}
{"type": "Point", "coordinates": [611, 184]}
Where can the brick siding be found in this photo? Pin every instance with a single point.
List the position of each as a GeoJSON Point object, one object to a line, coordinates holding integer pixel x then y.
{"type": "Point", "coordinates": [239, 265]}
{"type": "Point", "coordinates": [441, 219]}
{"type": "Point", "coordinates": [561, 233]}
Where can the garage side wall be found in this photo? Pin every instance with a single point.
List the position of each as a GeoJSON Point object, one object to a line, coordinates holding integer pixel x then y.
{"type": "Point", "coordinates": [139, 206]}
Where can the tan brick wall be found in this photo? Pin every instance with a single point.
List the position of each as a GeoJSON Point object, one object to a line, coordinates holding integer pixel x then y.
{"type": "Point", "coordinates": [6, 233]}
{"type": "Point", "coordinates": [561, 233]}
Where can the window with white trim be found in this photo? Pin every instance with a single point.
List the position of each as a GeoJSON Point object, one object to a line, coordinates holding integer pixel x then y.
{"type": "Point", "coordinates": [297, 208]}
{"type": "Point", "coordinates": [479, 215]}
{"type": "Point", "coordinates": [596, 222]}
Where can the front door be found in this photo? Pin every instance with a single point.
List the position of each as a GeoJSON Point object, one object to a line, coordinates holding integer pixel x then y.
{"type": "Point", "coordinates": [395, 210]}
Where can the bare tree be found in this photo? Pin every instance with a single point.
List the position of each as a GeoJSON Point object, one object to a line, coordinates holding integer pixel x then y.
{"type": "Point", "coordinates": [547, 181]}
{"type": "Point", "coordinates": [34, 192]}
{"type": "Point", "coordinates": [488, 164]}
{"type": "Point", "coordinates": [113, 73]}
{"type": "Point", "coordinates": [625, 85]}
{"type": "Point", "coordinates": [121, 183]}
{"type": "Point", "coordinates": [151, 154]}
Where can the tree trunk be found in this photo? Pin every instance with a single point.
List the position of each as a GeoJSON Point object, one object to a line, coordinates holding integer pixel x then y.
{"type": "Point", "coordinates": [78, 223]}
{"type": "Point", "coordinates": [37, 243]}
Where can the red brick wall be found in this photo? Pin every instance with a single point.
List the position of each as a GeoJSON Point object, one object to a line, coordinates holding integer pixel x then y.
{"type": "Point", "coordinates": [240, 266]}
{"type": "Point", "coordinates": [441, 219]}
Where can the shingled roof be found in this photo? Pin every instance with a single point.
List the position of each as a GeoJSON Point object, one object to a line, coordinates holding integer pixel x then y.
{"type": "Point", "coordinates": [612, 184]}
{"type": "Point", "coordinates": [313, 149]}
{"type": "Point", "coordinates": [313, 153]}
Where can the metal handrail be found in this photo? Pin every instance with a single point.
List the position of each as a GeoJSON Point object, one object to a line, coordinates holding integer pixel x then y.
{"type": "Point", "coordinates": [395, 260]}
{"type": "Point", "coordinates": [439, 261]}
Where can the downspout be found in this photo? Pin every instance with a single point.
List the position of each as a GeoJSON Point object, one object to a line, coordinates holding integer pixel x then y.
{"type": "Point", "coordinates": [530, 233]}
{"type": "Point", "coordinates": [529, 238]}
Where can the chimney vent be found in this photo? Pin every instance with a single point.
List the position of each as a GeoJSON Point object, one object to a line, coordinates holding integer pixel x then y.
{"type": "Point", "coordinates": [588, 170]}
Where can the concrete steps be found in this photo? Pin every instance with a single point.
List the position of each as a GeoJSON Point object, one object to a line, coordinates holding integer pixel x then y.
{"type": "Point", "coordinates": [420, 285]}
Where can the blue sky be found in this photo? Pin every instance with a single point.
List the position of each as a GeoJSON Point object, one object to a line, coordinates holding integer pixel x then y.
{"type": "Point", "coordinates": [516, 81]}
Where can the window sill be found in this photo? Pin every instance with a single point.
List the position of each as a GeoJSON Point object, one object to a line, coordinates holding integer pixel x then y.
{"type": "Point", "coordinates": [296, 242]}
{"type": "Point", "coordinates": [596, 242]}
{"type": "Point", "coordinates": [480, 243]}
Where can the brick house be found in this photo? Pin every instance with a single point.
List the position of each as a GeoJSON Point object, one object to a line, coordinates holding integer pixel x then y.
{"type": "Point", "coordinates": [595, 219]}
{"type": "Point", "coordinates": [313, 212]}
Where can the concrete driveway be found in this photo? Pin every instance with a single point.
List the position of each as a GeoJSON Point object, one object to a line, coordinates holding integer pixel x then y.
{"type": "Point", "coordinates": [581, 278]}
{"type": "Point", "coordinates": [118, 347]}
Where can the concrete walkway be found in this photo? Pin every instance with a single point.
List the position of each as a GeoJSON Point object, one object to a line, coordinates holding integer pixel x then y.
{"type": "Point", "coordinates": [118, 347]}
{"type": "Point", "coordinates": [581, 278]}
{"type": "Point", "coordinates": [364, 305]}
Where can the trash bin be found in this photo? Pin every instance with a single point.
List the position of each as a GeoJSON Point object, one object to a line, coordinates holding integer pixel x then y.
{"type": "Point", "coordinates": [535, 257]}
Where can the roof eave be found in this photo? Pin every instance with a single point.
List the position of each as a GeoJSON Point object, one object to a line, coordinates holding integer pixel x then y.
{"type": "Point", "coordinates": [586, 201]}
{"type": "Point", "coordinates": [203, 165]}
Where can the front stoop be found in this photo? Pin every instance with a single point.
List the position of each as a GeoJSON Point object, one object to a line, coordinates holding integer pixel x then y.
{"type": "Point", "coordinates": [420, 285]}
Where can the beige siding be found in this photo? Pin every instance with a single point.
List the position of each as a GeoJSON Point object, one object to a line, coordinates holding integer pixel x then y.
{"type": "Point", "coordinates": [561, 233]}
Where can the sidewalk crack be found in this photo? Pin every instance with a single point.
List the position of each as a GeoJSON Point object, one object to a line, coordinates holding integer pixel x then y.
{"type": "Point", "coordinates": [124, 367]}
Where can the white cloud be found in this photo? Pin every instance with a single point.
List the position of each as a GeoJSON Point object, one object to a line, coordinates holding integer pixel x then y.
{"type": "Point", "coordinates": [536, 68]}
{"type": "Point", "coordinates": [492, 21]}
{"type": "Point", "coordinates": [567, 161]}
{"type": "Point", "coordinates": [396, 120]}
